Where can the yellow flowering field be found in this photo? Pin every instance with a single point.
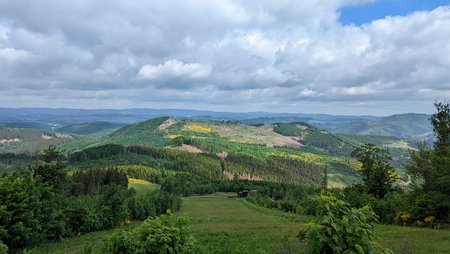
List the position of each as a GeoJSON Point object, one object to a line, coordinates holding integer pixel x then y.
{"type": "Point", "coordinates": [198, 128]}
{"type": "Point", "coordinates": [134, 180]}
{"type": "Point", "coordinates": [309, 157]}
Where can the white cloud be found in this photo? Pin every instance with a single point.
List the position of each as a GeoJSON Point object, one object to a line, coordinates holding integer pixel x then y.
{"type": "Point", "coordinates": [356, 90]}
{"type": "Point", "coordinates": [11, 54]}
{"type": "Point", "coordinates": [308, 93]}
{"type": "Point", "coordinates": [272, 53]}
{"type": "Point", "coordinates": [174, 69]}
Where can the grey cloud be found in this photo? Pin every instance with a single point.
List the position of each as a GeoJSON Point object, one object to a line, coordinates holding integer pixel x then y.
{"type": "Point", "coordinates": [257, 54]}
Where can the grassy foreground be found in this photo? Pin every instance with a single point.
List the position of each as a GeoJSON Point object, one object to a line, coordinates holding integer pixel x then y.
{"type": "Point", "coordinates": [225, 225]}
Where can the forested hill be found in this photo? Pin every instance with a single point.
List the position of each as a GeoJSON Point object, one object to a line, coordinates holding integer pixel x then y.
{"type": "Point", "coordinates": [410, 126]}
{"type": "Point", "coordinates": [251, 152]}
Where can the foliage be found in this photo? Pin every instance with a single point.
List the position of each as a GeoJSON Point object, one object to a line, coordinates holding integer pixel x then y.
{"type": "Point", "coordinates": [163, 234]}
{"type": "Point", "coordinates": [441, 127]}
{"type": "Point", "coordinates": [51, 154]}
{"type": "Point", "coordinates": [378, 174]}
{"type": "Point", "coordinates": [338, 228]}
{"type": "Point", "coordinates": [98, 152]}
{"type": "Point", "coordinates": [11, 161]}
{"type": "Point", "coordinates": [54, 175]}
{"type": "Point", "coordinates": [29, 211]}
{"type": "Point", "coordinates": [44, 204]}
{"type": "Point", "coordinates": [187, 184]}
{"type": "Point", "coordinates": [143, 133]}
{"type": "Point", "coordinates": [93, 128]}
{"type": "Point", "coordinates": [91, 181]}
{"type": "Point", "coordinates": [431, 167]}
{"type": "Point", "coordinates": [3, 248]}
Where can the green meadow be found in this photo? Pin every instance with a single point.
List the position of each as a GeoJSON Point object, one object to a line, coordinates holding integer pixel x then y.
{"type": "Point", "coordinates": [229, 225]}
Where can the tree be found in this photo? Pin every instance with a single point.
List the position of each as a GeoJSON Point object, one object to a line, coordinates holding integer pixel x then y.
{"type": "Point", "coordinates": [163, 234]}
{"type": "Point", "coordinates": [431, 167]}
{"type": "Point", "coordinates": [325, 178]}
{"type": "Point", "coordinates": [421, 166]}
{"type": "Point", "coordinates": [3, 248]}
{"type": "Point", "coordinates": [377, 173]}
{"type": "Point", "coordinates": [339, 228]}
{"type": "Point", "coordinates": [51, 154]}
{"type": "Point", "coordinates": [441, 127]}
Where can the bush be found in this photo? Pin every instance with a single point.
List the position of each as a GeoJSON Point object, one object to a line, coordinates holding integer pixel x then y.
{"type": "Point", "coordinates": [3, 248]}
{"type": "Point", "coordinates": [431, 204]}
{"type": "Point", "coordinates": [338, 228]}
{"type": "Point", "coordinates": [163, 234]}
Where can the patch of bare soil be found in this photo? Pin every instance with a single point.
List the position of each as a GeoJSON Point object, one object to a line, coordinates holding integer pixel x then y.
{"type": "Point", "coordinates": [288, 141]}
{"type": "Point", "coordinates": [244, 176]}
{"type": "Point", "coordinates": [7, 141]}
{"type": "Point", "coordinates": [46, 137]}
{"type": "Point", "coordinates": [191, 149]}
{"type": "Point", "coordinates": [300, 126]}
{"type": "Point", "coordinates": [249, 177]}
{"type": "Point", "coordinates": [166, 124]}
{"type": "Point", "coordinates": [228, 175]}
{"type": "Point", "coordinates": [63, 135]}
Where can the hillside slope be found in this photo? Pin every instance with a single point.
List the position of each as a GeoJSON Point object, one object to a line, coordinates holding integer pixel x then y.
{"type": "Point", "coordinates": [92, 129]}
{"type": "Point", "coordinates": [29, 140]}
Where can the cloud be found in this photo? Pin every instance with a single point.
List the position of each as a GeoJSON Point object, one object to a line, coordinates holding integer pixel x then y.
{"type": "Point", "coordinates": [357, 90]}
{"type": "Point", "coordinates": [309, 93]}
{"type": "Point", "coordinates": [174, 69]}
{"type": "Point", "coordinates": [11, 54]}
{"type": "Point", "coordinates": [281, 55]}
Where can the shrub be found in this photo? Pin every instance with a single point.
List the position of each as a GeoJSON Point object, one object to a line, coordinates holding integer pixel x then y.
{"type": "Point", "coordinates": [338, 228]}
{"type": "Point", "coordinates": [163, 234]}
{"type": "Point", "coordinates": [3, 248]}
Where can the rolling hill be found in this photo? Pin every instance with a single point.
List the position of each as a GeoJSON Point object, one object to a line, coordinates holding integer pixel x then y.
{"type": "Point", "coordinates": [92, 129]}
{"type": "Point", "coordinates": [411, 126]}
{"type": "Point", "coordinates": [29, 140]}
{"type": "Point", "coordinates": [249, 151]}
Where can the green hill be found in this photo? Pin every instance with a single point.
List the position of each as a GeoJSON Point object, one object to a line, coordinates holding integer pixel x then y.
{"type": "Point", "coordinates": [143, 133]}
{"type": "Point", "coordinates": [411, 126]}
{"type": "Point", "coordinates": [29, 140]}
{"type": "Point", "coordinates": [252, 152]}
{"type": "Point", "coordinates": [257, 153]}
{"type": "Point", "coordinates": [93, 129]}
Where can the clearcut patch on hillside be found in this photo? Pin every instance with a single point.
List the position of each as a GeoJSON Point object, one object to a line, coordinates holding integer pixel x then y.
{"type": "Point", "coordinates": [166, 124]}
{"type": "Point", "coordinates": [190, 148]}
{"type": "Point", "coordinates": [263, 135]}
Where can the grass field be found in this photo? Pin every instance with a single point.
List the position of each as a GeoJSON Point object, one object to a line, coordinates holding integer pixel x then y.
{"type": "Point", "coordinates": [224, 225]}
{"type": "Point", "coordinates": [143, 187]}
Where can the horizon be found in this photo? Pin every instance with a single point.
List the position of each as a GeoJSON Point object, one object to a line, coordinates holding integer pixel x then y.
{"type": "Point", "coordinates": [211, 111]}
{"type": "Point", "coordinates": [338, 57]}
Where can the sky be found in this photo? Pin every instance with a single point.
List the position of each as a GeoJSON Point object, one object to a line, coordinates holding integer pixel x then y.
{"type": "Point", "coordinates": [350, 57]}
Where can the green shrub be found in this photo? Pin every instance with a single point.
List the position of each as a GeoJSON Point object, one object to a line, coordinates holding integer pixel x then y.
{"type": "Point", "coordinates": [339, 228]}
{"type": "Point", "coordinates": [163, 234]}
{"type": "Point", "coordinates": [3, 248]}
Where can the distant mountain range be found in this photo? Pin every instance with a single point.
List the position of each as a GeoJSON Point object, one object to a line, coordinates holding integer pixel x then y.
{"type": "Point", "coordinates": [410, 126]}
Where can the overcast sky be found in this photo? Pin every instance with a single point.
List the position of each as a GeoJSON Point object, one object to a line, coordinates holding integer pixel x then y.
{"type": "Point", "coordinates": [311, 56]}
